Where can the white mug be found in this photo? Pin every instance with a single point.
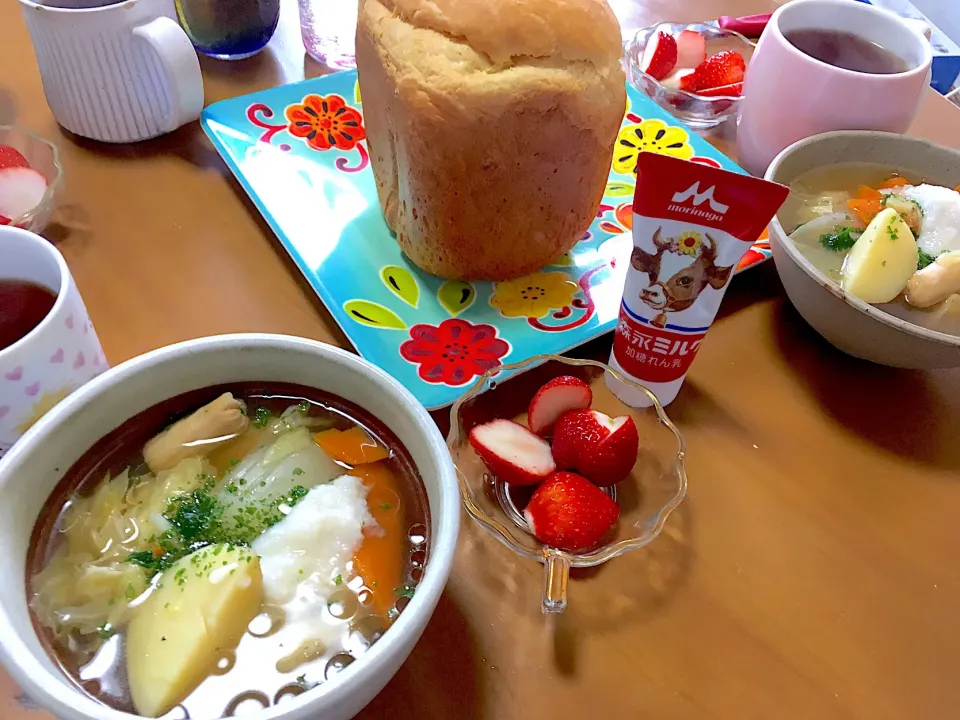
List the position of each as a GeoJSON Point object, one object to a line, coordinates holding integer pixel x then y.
{"type": "Point", "coordinates": [115, 71]}
{"type": "Point", "coordinates": [59, 355]}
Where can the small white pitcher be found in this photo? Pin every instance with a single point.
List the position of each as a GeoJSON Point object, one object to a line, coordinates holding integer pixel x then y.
{"type": "Point", "coordinates": [115, 71]}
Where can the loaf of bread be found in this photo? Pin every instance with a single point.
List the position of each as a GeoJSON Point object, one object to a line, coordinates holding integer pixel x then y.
{"type": "Point", "coordinates": [491, 126]}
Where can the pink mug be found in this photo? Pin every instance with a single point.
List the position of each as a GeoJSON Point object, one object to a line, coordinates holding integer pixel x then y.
{"type": "Point", "coordinates": [789, 95]}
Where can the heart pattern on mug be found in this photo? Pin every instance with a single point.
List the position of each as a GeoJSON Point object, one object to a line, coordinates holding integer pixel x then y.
{"type": "Point", "coordinates": [15, 374]}
{"type": "Point", "coordinates": [33, 389]}
{"type": "Point", "coordinates": [79, 362]}
{"type": "Point", "coordinates": [57, 357]}
{"type": "Point", "coordinates": [4, 409]}
{"type": "Point", "coordinates": [70, 321]}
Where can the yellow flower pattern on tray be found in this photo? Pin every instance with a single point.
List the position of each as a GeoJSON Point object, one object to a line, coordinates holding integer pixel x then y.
{"type": "Point", "coordinates": [533, 296]}
{"type": "Point", "coordinates": [652, 135]}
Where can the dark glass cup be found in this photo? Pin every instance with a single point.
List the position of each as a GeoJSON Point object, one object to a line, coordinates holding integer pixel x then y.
{"type": "Point", "coordinates": [229, 29]}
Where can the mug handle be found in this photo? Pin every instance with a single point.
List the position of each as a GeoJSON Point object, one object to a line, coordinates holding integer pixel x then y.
{"type": "Point", "coordinates": [180, 66]}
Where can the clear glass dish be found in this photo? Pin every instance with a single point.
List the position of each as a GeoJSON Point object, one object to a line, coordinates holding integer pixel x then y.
{"type": "Point", "coordinates": [696, 111]}
{"type": "Point", "coordinates": [42, 155]}
{"type": "Point", "coordinates": [655, 488]}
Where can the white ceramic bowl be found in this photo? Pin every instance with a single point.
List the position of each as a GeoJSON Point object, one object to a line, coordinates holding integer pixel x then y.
{"type": "Point", "coordinates": [848, 323]}
{"type": "Point", "coordinates": [29, 472]}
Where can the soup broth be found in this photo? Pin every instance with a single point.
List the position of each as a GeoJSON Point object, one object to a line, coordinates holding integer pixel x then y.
{"type": "Point", "coordinates": [826, 192]}
{"type": "Point", "coordinates": [138, 520]}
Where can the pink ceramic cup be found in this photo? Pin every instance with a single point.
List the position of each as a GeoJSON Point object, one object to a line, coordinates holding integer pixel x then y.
{"type": "Point", "coordinates": [789, 95]}
{"type": "Point", "coordinates": [58, 355]}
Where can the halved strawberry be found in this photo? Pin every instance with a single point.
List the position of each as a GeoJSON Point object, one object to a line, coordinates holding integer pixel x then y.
{"type": "Point", "coordinates": [601, 448]}
{"type": "Point", "coordinates": [21, 189]}
{"type": "Point", "coordinates": [556, 397]}
{"type": "Point", "coordinates": [659, 55]}
{"type": "Point", "coordinates": [691, 49]}
{"type": "Point", "coordinates": [724, 68]}
{"type": "Point", "coordinates": [674, 79]}
{"type": "Point", "coordinates": [570, 513]}
{"type": "Point", "coordinates": [11, 157]}
{"type": "Point", "coordinates": [734, 90]}
{"type": "Point", "coordinates": [512, 453]}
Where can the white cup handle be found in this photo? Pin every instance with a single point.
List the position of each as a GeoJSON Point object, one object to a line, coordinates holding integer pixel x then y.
{"type": "Point", "coordinates": [180, 66]}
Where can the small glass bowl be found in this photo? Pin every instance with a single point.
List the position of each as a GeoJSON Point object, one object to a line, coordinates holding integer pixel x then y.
{"type": "Point", "coordinates": [655, 488]}
{"type": "Point", "coordinates": [696, 111]}
{"type": "Point", "coordinates": [43, 156]}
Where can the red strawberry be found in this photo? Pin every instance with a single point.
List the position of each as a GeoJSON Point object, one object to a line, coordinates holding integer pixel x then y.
{"type": "Point", "coordinates": [573, 434]}
{"type": "Point", "coordinates": [659, 55]}
{"type": "Point", "coordinates": [570, 513]}
{"type": "Point", "coordinates": [736, 89]}
{"type": "Point", "coordinates": [512, 453]}
{"type": "Point", "coordinates": [691, 49]}
{"type": "Point", "coordinates": [556, 397]}
{"type": "Point", "coordinates": [612, 460]}
{"type": "Point", "coordinates": [11, 157]}
{"type": "Point", "coordinates": [724, 68]}
{"type": "Point", "coordinates": [601, 448]}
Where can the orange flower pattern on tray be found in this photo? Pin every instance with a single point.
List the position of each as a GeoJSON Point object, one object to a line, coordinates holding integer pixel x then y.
{"type": "Point", "coordinates": [326, 122]}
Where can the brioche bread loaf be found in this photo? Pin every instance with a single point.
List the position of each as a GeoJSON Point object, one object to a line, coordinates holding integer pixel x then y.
{"type": "Point", "coordinates": [491, 126]}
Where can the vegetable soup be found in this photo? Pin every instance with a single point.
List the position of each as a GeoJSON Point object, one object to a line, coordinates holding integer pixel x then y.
{"type": "Point", "coordinates": [227, 549]}
{"type": "Point", "coordinates": [891, 240]}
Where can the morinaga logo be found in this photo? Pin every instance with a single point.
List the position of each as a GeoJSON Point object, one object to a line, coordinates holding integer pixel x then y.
{"type": "Point", "coordinates": [690, 200]}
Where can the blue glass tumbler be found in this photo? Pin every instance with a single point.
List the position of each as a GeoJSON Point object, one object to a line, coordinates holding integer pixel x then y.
{"type": "Point", "coordinates": [229, 29]}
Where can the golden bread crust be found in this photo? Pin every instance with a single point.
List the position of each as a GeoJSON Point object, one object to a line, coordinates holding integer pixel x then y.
{"type": "Point", "coordinates": [491, 126]}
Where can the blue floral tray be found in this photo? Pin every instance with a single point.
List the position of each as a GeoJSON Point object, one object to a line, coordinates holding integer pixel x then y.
{"type": "Point", "coordinates": [299, 151]}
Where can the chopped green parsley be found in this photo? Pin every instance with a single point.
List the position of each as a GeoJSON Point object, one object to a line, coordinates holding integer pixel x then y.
{"type": "Point", "coordinates": [106, 631]}
{"type": "Point", "coordinates": [841, 239]}
{"type": "Point", "coordinates": [924, 259]}
{"type": "Point", "coordinates": [261, 417]}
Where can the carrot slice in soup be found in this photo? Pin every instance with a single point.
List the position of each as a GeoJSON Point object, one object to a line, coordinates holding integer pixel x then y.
{"type": "Point", "coordinates": [353, 446]}
{"type": "Point", "coordinates": [894, 182]}
{"type": "Point", "coordinates": [380, 558]}
{"type": "Point", "coordinates": [865, 209]}
{"type": "Point", "coordinates": [865, 192]}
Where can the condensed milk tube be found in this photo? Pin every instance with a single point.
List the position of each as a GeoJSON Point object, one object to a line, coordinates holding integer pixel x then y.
{"type": "Point", "coordinates": [691, 225]}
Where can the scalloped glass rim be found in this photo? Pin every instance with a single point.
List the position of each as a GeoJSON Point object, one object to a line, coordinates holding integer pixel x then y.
{"type": "Point", "coordinates": [544, 552]}
{"type": "Point", "coordinates": [635, 42]}
{"type": "Point", "coordinates": [52, 186]}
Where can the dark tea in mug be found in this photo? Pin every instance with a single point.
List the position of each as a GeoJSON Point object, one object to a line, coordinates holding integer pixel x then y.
{"type": "Point", "coordinates": [846, 50]}
{"type": "Point", "coordinates": [23, 304]}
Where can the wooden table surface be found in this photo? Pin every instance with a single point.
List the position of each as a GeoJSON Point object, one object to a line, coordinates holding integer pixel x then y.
{"type": "Point", "coordinates": [810, 574]}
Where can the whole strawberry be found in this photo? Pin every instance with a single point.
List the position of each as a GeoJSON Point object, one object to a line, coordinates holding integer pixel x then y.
{"type": "Point", "coordinates": [570, 513]}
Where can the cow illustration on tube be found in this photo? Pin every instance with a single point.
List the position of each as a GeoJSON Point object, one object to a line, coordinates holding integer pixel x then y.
{"type": "Point", "coordinates": [679, 270]}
